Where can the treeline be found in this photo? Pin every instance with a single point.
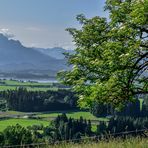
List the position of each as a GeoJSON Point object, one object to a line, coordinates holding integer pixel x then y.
{"type": "Point", "coordinates": [31, 101]}
{"type": "Point", "coordinates": [68, 129]}
{"type": "Point", "coordinates": [64, 128]}
{"type": "Point", "coordinates": [134, 109]}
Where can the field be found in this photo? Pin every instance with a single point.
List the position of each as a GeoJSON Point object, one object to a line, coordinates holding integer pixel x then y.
{"type": "Point", "coordinates": [32, 86]}
{"type": "Point", "coordinates": [23, 122]}
{"type": "Point", "coordinates": [45, 118]}
{"type": "Point", "coordinates": [73, 114]}
{"type": "Point", "coordinates": [21, 83]}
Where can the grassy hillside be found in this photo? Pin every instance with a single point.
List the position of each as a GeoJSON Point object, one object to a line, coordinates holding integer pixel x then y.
{"type": "Point", "coordinates": [114, 143]}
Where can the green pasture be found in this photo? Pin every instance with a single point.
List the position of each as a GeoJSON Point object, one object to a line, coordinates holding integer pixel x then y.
{"type": "Point", "coordinates": [46, 118]}
{"type": "Point", "coordinates": [73, 114]}
{"type": "Point", "coordinates": [22, 122]}
{"type": "Point", "coordinates": [18, 83]}
{"type": "Point", "coordinates": [32, 88]}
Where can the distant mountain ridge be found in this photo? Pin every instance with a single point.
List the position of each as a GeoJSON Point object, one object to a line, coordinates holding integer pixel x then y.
{"type": "Point", "coordinates": [15, 58]}
{"type": "Point", "coordinates": [55, 52]}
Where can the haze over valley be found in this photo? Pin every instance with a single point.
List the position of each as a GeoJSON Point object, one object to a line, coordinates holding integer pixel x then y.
{"type": "Point", "coordinates": [18, 61]}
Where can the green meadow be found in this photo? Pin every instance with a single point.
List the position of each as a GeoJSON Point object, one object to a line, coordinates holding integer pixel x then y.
{"type": "Point", "coordinates": [45, 118]}
{"type": "Point", "coordinates": [22, 122]}
{"type": "Point", "coordinates": [31, 86]}
{"type": "Point", "coordinates": [73, 114]}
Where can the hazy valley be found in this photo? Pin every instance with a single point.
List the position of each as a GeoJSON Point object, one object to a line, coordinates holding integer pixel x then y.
{"type": "Point", "coordinates": [17, 61]}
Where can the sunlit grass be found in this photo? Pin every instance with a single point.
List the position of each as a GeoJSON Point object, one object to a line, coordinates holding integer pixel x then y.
{"type": "Point", "coordinates": [73, 114]}
{"type": "Point", "coordinates": [22, 122]}
{"type": "Point", "coordinates": [31, 86]}
{"type": "Point", "coordinates": [13, 82]}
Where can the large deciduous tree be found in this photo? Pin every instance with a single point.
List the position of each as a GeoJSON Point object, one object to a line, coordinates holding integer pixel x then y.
{"type": "Point", "coordinates": [110, 62]}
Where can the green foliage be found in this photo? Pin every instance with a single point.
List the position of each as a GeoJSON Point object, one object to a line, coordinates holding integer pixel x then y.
{"type": "Point", "coordinates": [17, 135]}
{"type": "Point", "coordinates": [3, 105]}
{"type": "Point", "coordinates": [110, 59]}
{"type": "Point", "coordinates": [99, 109]}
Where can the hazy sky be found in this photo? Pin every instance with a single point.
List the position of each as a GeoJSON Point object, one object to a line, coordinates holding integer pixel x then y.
{"type": "Point", "coordinates": [42, 23]}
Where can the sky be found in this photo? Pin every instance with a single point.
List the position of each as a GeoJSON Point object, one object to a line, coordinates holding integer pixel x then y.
{"type": "Point", "coordinates": [42, 23]}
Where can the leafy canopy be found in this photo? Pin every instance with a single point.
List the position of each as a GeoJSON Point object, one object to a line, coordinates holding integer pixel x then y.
{"type": "Point", "coordinates": [111, 57]}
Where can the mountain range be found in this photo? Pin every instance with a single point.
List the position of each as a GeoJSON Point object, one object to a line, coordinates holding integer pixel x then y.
{"type": "Point", "coordinates": [18, 61]}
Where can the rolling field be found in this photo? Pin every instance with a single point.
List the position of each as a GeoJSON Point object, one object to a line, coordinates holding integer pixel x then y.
{"type": "Point", "coordinates": [27, 122]}
{"type": "Point", "coordinates": [73, 114]}
{"type": "Point", "coordinates": [46, 117]}
{"type": "Point", "coordinates": [31, 86]}
{"type": "Point", "coordinates": [21, 83]}
{"type": "Point", "coordinates": [22, 122]}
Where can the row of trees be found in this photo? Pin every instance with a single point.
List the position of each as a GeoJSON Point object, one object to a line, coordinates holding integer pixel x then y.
{"type": "Point", "coordinates": [23, 100]}
{"type": "Point", "coordinates": [120, 124]}
{"type": "Point", "coordinates": [135, 108]}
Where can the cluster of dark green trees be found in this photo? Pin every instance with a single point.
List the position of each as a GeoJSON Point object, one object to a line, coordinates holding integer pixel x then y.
{"type": "Point", "coordinates": [120, 124]}
{"type": "Point", "coordinates": [134, 109]}
{"type": "Point", "coordinates": [64, 128]}
{"type": "Point", "coordinates": [68, 129]}
{"type": "Point", "coordinates": [23, 100]}
{"type": "Point", "coordinates": [3, 105]}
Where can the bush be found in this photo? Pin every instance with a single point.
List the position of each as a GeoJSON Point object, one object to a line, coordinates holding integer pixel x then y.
{"type": "Point", "coordinates": [17, 135]}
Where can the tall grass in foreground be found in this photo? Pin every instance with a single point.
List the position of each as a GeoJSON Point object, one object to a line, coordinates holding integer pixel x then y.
{"type": "Point", "coordinates": [114, 143]}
